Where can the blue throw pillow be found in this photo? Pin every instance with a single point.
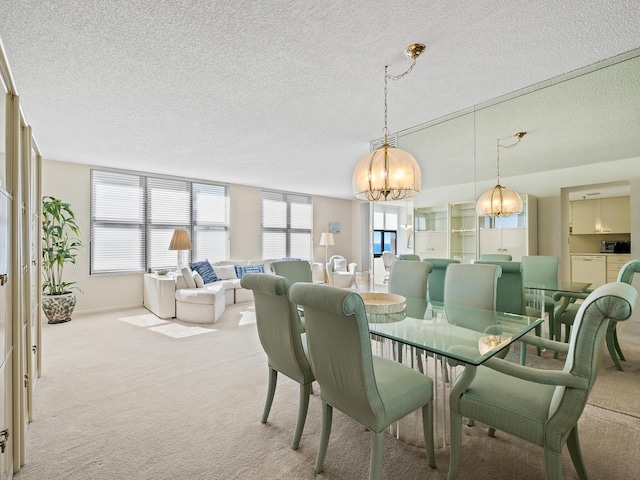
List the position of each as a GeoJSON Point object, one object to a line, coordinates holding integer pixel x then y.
{"type": "Point", "coordinates": [242, 269]}
{"type": "Point", "coordinates": [205, 270]}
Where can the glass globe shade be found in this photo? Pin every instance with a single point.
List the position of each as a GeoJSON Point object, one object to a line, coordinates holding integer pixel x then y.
{"type": "Point", "coordinates": [387, 173]}
{"type": "Point", "coordinates": [499, 202]}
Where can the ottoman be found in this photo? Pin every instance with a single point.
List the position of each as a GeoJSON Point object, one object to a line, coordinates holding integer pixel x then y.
{"type": "Point", "coordinates": [200, 305]}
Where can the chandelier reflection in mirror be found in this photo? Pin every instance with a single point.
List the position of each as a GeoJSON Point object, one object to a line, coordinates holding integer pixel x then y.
{"type": "Point", "coordinates": [500, 201]}
{"type": "Point", "coordinates": [389, 173]}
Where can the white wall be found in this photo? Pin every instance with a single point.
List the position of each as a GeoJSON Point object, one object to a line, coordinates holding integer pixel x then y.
{"type": "Point", "coordinates": [71, 183]}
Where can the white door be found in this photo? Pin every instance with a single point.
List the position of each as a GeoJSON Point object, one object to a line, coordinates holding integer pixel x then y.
{"type": "Point", "coordinates": [6, 339]}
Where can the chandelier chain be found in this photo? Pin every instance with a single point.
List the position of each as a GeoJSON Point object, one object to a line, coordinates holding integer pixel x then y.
{"type": "Point", "coordinates": [519, 136]}
{"type": "Point", "coordinates": [385, 130]}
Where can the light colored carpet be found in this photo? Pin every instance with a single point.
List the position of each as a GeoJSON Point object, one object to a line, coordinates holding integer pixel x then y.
{"type": "Point", "coordinates": [119, 400]}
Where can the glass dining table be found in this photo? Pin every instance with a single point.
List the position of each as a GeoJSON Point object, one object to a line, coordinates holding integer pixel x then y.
{"type": "Point", "coordinates": [447, 339]}
{"type": "Point", "coordinates": [538, 295]}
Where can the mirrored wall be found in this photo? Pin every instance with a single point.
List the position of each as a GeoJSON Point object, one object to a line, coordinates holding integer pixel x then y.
{"type": "Point", "coordinates": [574, 123]}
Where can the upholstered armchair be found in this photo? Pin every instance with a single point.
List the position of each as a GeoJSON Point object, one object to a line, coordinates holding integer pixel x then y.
{"type": "Point", "coordinates": [387, 260]}
{"type": "Point", "coordinates": [567, 310]}
{"type": "Point", "coordinates": [340, 273]}
{"type": "Point", "coordinates": [541, 406]}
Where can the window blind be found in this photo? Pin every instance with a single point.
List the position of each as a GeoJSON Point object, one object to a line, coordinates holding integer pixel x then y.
{"type": "Point", "coordinates": [133, 218]}
{"type": "Point", "coordinates": [117, 223]}
{"type": "Point", "coordinates": [286, 225]}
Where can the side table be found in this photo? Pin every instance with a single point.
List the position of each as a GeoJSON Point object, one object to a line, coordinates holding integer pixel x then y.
{"type": "Point", "coordinates": [160, 294]}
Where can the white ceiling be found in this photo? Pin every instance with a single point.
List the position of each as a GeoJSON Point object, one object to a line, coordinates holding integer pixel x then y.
{"type": "Point", "coordinates": [280, 94]}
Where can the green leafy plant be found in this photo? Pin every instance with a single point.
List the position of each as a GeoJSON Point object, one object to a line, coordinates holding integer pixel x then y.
{"type": "Point", "coordinates": [60, 244]}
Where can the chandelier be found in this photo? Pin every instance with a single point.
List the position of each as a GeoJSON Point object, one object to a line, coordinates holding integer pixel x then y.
{"type": "Point", "coordinates": [389, 173]}
{"type": "Point", "coordinates": [500, 201]}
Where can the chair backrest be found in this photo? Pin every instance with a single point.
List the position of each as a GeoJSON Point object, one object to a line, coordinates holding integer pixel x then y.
{"type": "Point", "coordinates": [409, 256]}
{"type": "Point", "coordinates": [540, 269]}
{"type": "Point", "coordinates": [435, 290]}
{"type": "Point", "coordinates": [409, 279]}
{"type": "Point", "coordinates": [495, 257]}
{"type": "Point", "coordinates": [293, 270]}
{"type": "Point", "coordinates": [510, 294]}
{"type": "Point", "coordinates": [628, 269]}
{"type": "Point", "coordinates": [472, 285]}
{"type": "Point", "coordinates": [388, 258]}
{"type": "Point", "coordinates": [340, 351]}
{"type": "Point", "coordinates": [613, 301]}
{"type": "Point", "coordinates": [278, 325]}
{"type": "Point", "coordinates": [337, 263]}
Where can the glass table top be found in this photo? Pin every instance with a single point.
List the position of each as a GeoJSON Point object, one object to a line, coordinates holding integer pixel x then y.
{"type": "Point", "coordinates": [468, 335]}
{"type": "Point", "coordinates": [560, 286]}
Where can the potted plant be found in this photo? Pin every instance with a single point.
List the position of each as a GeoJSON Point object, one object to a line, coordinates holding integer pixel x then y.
{"type": "Point", "coordinates": [60, 245]}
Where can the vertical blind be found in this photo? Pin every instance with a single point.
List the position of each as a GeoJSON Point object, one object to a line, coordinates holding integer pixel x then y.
{"type": "Point", "coordinates": [133, 218]}
{"type": "Point", "coordinates": [286, 225]}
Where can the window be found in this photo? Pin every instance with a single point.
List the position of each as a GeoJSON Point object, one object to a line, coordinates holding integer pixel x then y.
{"type": "Point", "coordinates": [385, 230]}
{"type": "Point", "coordinates": [133, 218]}
{"type": "Point", "coordinates": [286, 225]}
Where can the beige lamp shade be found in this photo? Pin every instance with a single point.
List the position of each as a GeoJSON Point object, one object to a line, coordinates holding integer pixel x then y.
{"type": "Point", "coordinates": [499, 202]}
{"type": "Point", "coordinates": [326, 239]}
{"type": "Point", "coordinates": [180, 240]}
{"type": "Point", "coordinates": [387, 173]}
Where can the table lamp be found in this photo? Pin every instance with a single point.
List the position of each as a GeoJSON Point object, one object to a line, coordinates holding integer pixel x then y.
{"type": "Point", "coordinates": [181, 242]}
{"type": "Point", "coordinates": [326, 239]}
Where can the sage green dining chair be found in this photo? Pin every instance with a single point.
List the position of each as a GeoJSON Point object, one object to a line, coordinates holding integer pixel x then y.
{"type": "Point", "coordinates": [409, 279]}
{"type": "Point", "coordinates": [281, 338]}
{"type": "Point", "coordinates": [435, 285]}
{"type": "Point", "coordinates": [372, 390]}
{"type": "Point", "coordinates": [472, 285]}
{"type": "Point", "coordinates": [510, 295]}
{"type": "Point", "coordinates": [541, 406]}
{"type": "Point", "coordinates": [495, 257]}
{"type": "Point", "coordinates": [409, 256]}
{"type": "Point", "coordinates": [293, 270]}
{"type": "Point", "coordinates": [566, 312]}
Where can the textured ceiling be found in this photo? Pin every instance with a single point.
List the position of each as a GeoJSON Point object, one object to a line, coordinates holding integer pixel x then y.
{"type": "Point", "coordinates": [284, 95]}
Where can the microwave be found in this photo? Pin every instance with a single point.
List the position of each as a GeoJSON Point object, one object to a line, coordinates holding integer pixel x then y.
{"type": "Point", "coordinates": [615, 246]}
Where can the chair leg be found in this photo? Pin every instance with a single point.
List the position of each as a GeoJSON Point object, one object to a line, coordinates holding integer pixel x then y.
{"type": "Point", "coordinates": [523, 353]}
{"type": "Point", "coordinates": [611, 346]}
{"type": "Point", "coordinates": [377, 452]}
{"type": "Point", "coordinates": [615, 339]}
{"type": "Point", "coordinates": [553, 464]}
{"type": "Point", "coordinates": [327, 415]}
{"type": "Point", "coordinates": [573, 444]}
{"type": "Point", "coordinates": [427, 427]}
{"type": "Point", "coordinates": [305, 392]}
{"type": "Point", "coordinates": [271, 391]}
{"type": "Point", "coordinates": [491, 432]}
{"type": "Point", "coordinates": [456, 441]}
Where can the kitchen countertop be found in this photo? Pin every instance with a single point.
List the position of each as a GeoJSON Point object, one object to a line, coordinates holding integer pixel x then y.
{"type": "Point", "coordinates": [592, 253]}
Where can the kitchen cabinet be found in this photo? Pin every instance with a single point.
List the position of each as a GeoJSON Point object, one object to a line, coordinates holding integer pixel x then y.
{"type": "Point", "coordinates": [606, 215]}
{"type": "Point", "coordinates": [614, 264]}
{"type": "Point", "coordinates": [589, 268]}
{"type": "Point", "coordinates": [515, 235]}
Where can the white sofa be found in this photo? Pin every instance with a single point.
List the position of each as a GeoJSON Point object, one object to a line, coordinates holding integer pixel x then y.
{"type": "Point", "coordinates": [200, 302]}
{"type": "Point", "coordinates": [228, 279]}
